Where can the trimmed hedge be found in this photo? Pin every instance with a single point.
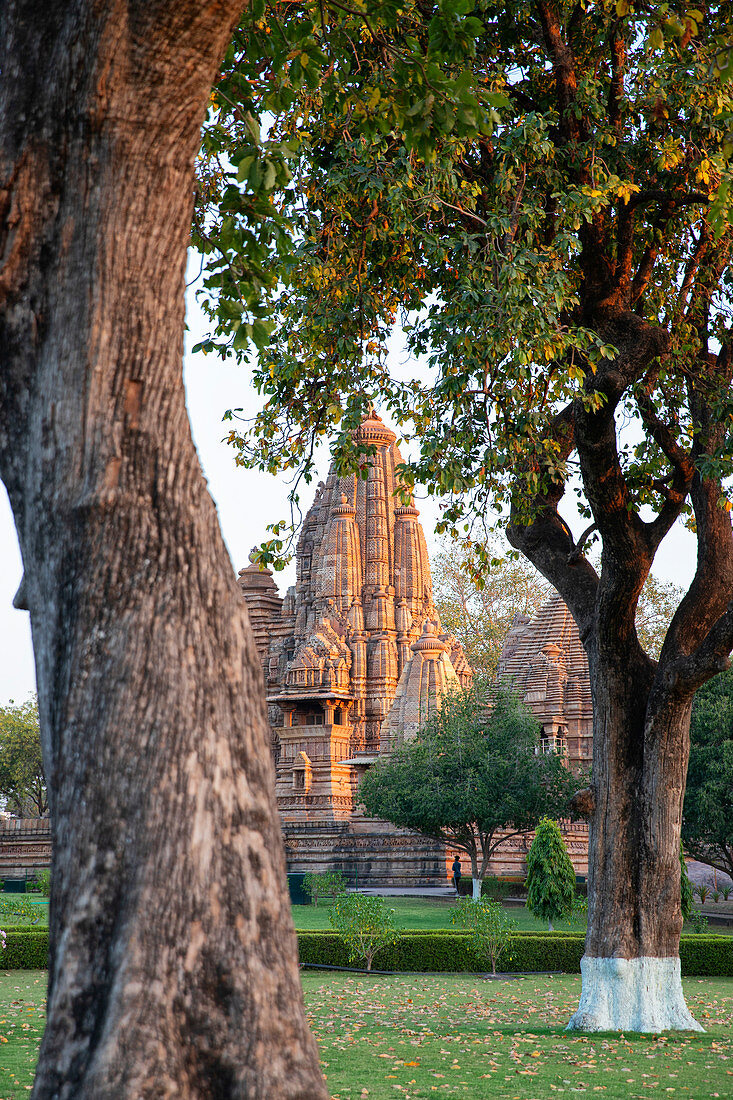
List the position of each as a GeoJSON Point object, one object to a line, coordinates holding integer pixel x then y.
{"type": "Point", "coordinates": [25, 949]}
{"type": "Point", "coordinates": [450, 952]}
{"type": "Point", "coordinates": [442, 951]}
{"type": "Point", "coordinates": [707, 956]}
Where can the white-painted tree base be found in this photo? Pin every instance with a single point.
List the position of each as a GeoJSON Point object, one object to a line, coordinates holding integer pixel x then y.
{"type": "Point", "coordinates": [476, 895]}
{"type": "Point", "coordinates": [642, 994]}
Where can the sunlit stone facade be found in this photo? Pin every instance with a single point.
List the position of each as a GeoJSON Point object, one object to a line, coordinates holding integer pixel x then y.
{"type": "Point", "coordinates": [355, 658]}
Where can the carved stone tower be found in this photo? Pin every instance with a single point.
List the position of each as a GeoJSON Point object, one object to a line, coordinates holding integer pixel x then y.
{"type": "Point", "coordinates": [358, 629]}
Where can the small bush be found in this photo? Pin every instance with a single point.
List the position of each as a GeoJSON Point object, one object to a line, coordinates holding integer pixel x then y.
{"type": "Point", "coordinates": [365, 924]}
{"type": "Point", "coordinates": [579, 910]}
{"type": "Point", "coordinates": [494, 887]}
{"type": "Point", "coordinates": [324, 885]}
{"type": "Point", "coordinates": [25, 949]}
{"type": "Point", "coordinates": [725, 890]}
{"type": "Point", "coordinates": [715, 896]}
{"type": "Point", "coordinates": [16, 907]}
{"type": "Point", "coordinates": [491, 930]}
{"type": "Point", "coordinates": [42, 883]}
{"type": "Point", "coordinates": [699, 923]}
{"type": "Point", "coordinates": [702, 892]}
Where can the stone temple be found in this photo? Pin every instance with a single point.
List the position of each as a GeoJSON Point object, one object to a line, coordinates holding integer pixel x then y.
{"type": "Point", "coordinates": [355, 657]}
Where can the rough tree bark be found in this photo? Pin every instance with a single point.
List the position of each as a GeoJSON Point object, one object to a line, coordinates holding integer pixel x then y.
{"type": "Point", "coordinates": [173, 962]}
{"type": "Point", "coordinates": [631, 971]}
{"type": "Point", "coordinates": [641, 708]}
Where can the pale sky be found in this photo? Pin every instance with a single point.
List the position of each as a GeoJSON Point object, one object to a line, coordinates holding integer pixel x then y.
{"type": "Point", "coordinates": [246, 500]}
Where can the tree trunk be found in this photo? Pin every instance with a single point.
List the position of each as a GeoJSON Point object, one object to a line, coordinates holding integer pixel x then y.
{"type": "Point", "coordinates": [631, 969]}
{"type": "Point", "coordinates": [173, 961]}
{"type": "Point", "coordinates": [475, 879]}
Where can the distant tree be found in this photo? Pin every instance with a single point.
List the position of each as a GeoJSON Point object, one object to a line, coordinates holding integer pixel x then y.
{"type": "Point", "coordinates": [707, 818]}
{"type": "Point", "coordinates": [478, 590]}
{"type": "Point", "coordinates": [567, 280]}
{"type": "Point", "coordinates": [657, 604]}
{"type": "Point", "coordinates": [550, 874]}
{"type": "Point", "coordinates": [480, 608]}
{"type": "Point", "coordinates": [22, 780]}
{"type": "Point", "coordinates": [471, 778]}
{"type": "Point", "coordinates": [325, 884]}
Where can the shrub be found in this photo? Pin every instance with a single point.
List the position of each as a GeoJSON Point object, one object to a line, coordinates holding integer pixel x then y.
{"type": "Point", "coordinates": [494, 887]}
{"type": "Point", "coordinates": [532, 952]}
{"type": "Point", "coordinates": [550, 874]}
{"type": "Point", "coordinates": [702, 892]}
{"type": "Point", "coordinates": [25, 949]}
{"type": "Point", "coordinates": [440, 951]}
{"type": "Point", "coordinates": [707, 956]}
{"type": "Point", "coordinates": [324, 884]}
{"type": "Point", "coordinates": [725, 891]}
{"type": "Point", "coordinates": [490, 928]}
{"type": "Point", "coordinates": [16, 907]}
{"type": "Point", "coordinates": [42, 883]}
{"type": "Point", "coordinates": [715, 896]}
{"type": "Point", "coordinates": [579, 910]}
{"type": "Point", "coordinates": [699, 923]}
{"type": "Point", "coordinates": [364, 923]}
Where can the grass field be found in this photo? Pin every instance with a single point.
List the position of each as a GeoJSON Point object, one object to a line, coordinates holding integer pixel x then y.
{"type": "Point", "coordinates": [403, 1038]}
{"type": "Point", "coordinates": [22, 1019]}
{"type": "Point", "coordinates": [416, 1036]}
{"type": "Point", "coordinates": [432, 913]}
{"type": "Point", "coordinates": [424, 913]}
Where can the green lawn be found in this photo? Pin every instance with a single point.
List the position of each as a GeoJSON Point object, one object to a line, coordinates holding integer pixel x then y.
{"type": "Point", "coordinates": [22, 1019]}
{"type": "Point", "coordinates": [430, 913]}
{"type": "Point", "coordinates": [416, 1036]}
{"type": "Point", "coordinates": [36, 904]}
{"type": "Point", "coordinates": [418, 913]}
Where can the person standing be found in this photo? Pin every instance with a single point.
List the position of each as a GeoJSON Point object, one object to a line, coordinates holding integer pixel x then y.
{"type": "Point", "coordinates": [457, 873]}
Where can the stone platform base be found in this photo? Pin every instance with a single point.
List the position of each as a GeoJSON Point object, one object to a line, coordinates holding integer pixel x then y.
{"type": "Point", "coordinates": [25, 847]}
{"type": "Point", "coordinates": [369, 852]}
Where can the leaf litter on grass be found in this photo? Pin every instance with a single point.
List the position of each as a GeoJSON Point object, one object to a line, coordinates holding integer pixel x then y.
{"type": "Point", "coordinates": [417, 1036]}
{"type": "Point", "coordinates": [22, 1020]}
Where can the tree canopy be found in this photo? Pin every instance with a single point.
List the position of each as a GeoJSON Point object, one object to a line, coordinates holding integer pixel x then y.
{"type": "Point", "coordinates": [570, 179]}
{"type": "Point", "coordinates": [559, 257]}
{"type": "Point", "coordinates": [707, 821]}
{"type": "Point", "coordinates": [480, 608]}
{"type": "Point", "coordinates": [472, 777]}
{"type": "Point", "coordinates": [22, 780]}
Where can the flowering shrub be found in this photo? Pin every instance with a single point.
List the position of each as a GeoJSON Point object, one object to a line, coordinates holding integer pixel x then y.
{"type": "Point", "coordinates": [14, 907]}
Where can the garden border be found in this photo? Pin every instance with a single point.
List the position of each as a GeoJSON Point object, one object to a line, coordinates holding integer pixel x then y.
{"type": "Point", "coordinates": [701, 955]}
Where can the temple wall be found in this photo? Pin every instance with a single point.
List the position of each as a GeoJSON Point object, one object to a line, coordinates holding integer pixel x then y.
{"type": "Point", "coordinates": [355, 659]}
{"type": "Point", "coordinates": [25, 846]}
